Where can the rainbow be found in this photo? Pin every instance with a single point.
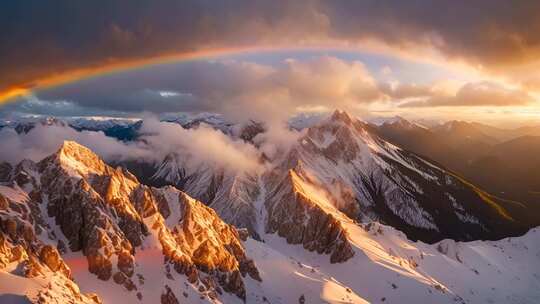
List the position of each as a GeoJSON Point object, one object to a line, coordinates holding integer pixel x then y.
{"type": "Point", "coordinates": [12, 93]}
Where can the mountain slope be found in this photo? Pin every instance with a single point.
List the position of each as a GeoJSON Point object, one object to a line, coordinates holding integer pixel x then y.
{"type": "Point", "coordinates": [364, 176]}
{"type": "Point", "coordinates": [104, 219]}
{"type": "Point", "coordinates": [506, 169]}
{"type": "Point", "coordinates": [371, 178]}
{"type": "Point", "coordinates": [71, 222]}
{"type": "Point", "coordinates": [512, 169]}
{"type": "Point", "coordinates": [31, 269]}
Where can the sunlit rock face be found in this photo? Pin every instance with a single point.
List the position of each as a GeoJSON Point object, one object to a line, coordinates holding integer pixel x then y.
{"type": "Point", "coordinates": [25, 253]}
{"type": "Point", "coordinates": [296, 215]}
{"type": "Point", "coordinates": [358, 173]}
{"type": "Point", "coordinates": [76, 223]}
{"type": "Point", "coordinates": [73, 203]}
{"type": "Point", "coordinates": [369, 178]}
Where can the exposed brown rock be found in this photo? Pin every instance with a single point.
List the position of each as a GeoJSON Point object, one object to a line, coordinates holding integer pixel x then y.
{"type": "Point", "coordinates": [294, 216]}
{"type": "Point", "coordinates": [94, 297]}
{"type": "Point", "coordinates": [100, 266]}
{"type": "Point", "coordinates": [168, 297]}
{"type": "Point", "coordinates": [3, 203]}
{"type": "Point", "coordinates": [243, 233]}
{"type": "Point", "coordinates": [247, 266]}
{"type": "Point", "coordinates": [119, 278]}
{"type": "Point", "coordinates": [106, 214]}
{"type": "Point", "coordinates": [129, 285]}
{"type": "Point", "coordinates": [233, 283]}
{"type": "Point", "coordinates": [32, 268]}
{"type": "Point", "coordinates": [50, 257]}
{"type": "Point", "coordinates": [125, 263]}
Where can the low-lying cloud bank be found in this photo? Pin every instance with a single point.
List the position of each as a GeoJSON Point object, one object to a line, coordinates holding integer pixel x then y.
{"type": "Point", "coordinates": [43, 140]}
{"type": "Point", "coordinates": [201, 145]}
{"type": "Point", "coordinates": [158, 139]}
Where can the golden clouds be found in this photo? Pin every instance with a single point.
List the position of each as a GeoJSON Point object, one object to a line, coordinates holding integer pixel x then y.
{"type": "Point", "coordinates": [475, 94]}
{"type": "Point", "coordinates": [53, 44]}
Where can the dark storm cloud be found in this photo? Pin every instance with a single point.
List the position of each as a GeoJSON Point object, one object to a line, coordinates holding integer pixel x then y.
{"type": "Point", "coordinates": [41, 38]}
{"type": "Point", "coordinates": [487, 32]}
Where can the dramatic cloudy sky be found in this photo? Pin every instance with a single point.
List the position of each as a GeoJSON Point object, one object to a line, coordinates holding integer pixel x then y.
{"type": "Point", "coordinates": [476, 60]}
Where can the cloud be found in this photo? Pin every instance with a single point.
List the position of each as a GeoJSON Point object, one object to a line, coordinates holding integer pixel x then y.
{"type": "Point", "coordinates": [403, 91]}
{"type": "Point", "coordinates": [241, 90]}
{"type": "Point", "coordinates": [202, 145]}
{"type": "Point", "coordinates": [42, 141]}
{"type": "Point", "coordinates": [475, 94]}
{"type": "Point", "coordinates": [198, 146]}
{"type": "Point", "coordinates": [57, 108]}
{"type": "Point", "coordinates": [328, 79]}
{"type": "Point", "coordinates": [490, 33]}
{"type": "Point", "coordinates": [277, 140]}
{"type": "Point", "coordinates": [71, 36]}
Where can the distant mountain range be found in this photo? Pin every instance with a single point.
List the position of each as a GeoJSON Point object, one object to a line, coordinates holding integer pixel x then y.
{"type": "Point", "coordinates": [75, 230]}
{"type": "Point", "coordinates": [351, 212]}
{"type": "Point", "coordinates": [504, 162]}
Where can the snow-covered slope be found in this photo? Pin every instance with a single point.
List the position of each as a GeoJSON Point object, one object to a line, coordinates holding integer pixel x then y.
{"type": "Point", "coordinates": [31, 269]}
{"type": "Point", "coordinates": [302, 121]}
{"type": "Point", "coordinates": [104, 225]}
{"type": "Point", "coordinates": [369, 178]}
{"type": "Point", "coordinates": [74, 229]}
{"type": "Point", "coordinates": [363, 175]}
{"type": "Point", "coordinates": [388, 268]}
{"type": "Point", "coordinates": [100, 122]}
{"type": "Point", "coordinates": [231, 193]}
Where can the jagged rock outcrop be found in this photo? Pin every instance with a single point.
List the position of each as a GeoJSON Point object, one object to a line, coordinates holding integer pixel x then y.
{"type": "Point", "coordinates": [228, 192]}
{"type": "Point", "coordinates": [24, 253]}
{"type": "Point", "coordinates": [81, 204]}
{"type": "Point", "coordinates": [362, 176]}
{"type": "Point", "coordinates": [168, 297]}
{"type": "Point", "coordinates": [368, 178]}
{"type": "Point", "coordinates": [295, 215]}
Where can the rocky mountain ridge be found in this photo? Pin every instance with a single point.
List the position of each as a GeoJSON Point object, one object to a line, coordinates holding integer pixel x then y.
{"type": "Point", "coordinates": [365, 176]}
{"type": "Point", "coordinates": [82, 206]}
{"type": "Point", "coordinates": [97, 229]}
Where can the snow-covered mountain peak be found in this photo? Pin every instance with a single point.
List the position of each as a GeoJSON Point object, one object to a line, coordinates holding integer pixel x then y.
{"type": "Point", "coordinates": [397, 122]}
{"type": "Point", "coordinates": [313, 213]}
{"type": "Point", "coordinates": [100, 122]}
{"type": "Point", "coordinates": [106, 225]}
{"type": "Point", "coordinates": [341, 116]}
{"type": "Point", "coordinates": [401, 122]}
{"type": "Point", "coordinates": [368, 177]}
{"type": "Point", "coordinates": [78, 159]}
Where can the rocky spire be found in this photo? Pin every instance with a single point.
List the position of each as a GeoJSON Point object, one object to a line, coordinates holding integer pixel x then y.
{"type": "Point", "coordinates": [77, 159]}
{"type": "Point", "coordinates": [341, 116]}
